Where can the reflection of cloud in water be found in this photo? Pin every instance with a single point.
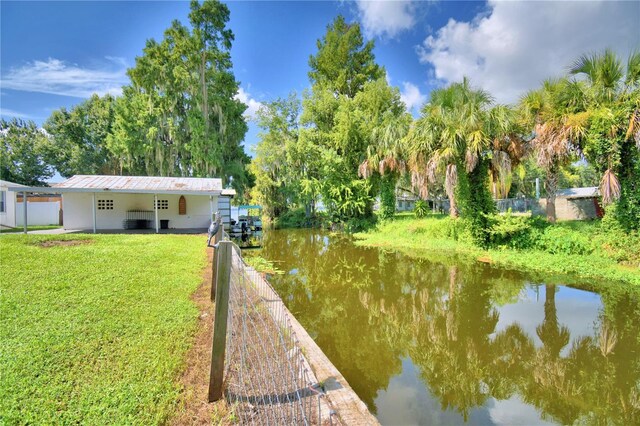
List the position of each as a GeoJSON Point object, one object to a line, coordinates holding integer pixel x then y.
{"type": "Point", "coordinates": [407, 401]}
{"type": "Point", "coordinates": [514, 411]}
{"type": "Point", "coordinates": [576, 309]}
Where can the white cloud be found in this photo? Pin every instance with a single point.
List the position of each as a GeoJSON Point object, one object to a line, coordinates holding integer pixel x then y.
{"type": "Point", "coordinates": [9, 113]}
{"type": "Point", "coordinates": [411, 96]}
{"type": "Point", "coordinates": [253, 105]}
{"type": "Point", "coordinates": [514, 46]}
{"type": "Point", "coordinates": [389, 18]}
{"type": "Point", "coordinates": [57, 77]}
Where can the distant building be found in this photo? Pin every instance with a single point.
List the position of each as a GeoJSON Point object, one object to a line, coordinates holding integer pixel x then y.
{"type": "Point", "coordinates": [405, 202]}
{"type": "Point", "coordinates": [575, 204]}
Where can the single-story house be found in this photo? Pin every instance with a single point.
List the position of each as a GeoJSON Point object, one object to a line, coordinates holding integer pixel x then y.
{"type": "Point", "coordinates": [575, 204]}
{"type": "Point", "coordinates": [95, 202]}
{"type": "Point", "coordinates": [405, 202]}
{"type": "Point", "coordinates": [8, 204]}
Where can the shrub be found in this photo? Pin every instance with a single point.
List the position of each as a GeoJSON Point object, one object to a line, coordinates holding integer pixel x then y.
{"type": "Point", "coordinates": [421, 208]}
{"type": "Point", "coordinates": [291, 219]}
{"type": "Point", "coordinates": [359, 224]}
{"type": "Point", "coordinates": [559, 240]}
{"type": "Point", "coordinates": [510, 230]}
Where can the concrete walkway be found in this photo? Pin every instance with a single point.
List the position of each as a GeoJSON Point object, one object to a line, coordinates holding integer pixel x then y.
{"type": "Point", "coordinates": [55, 231]}
{"type": "Point", "coordinates": [59, 231]}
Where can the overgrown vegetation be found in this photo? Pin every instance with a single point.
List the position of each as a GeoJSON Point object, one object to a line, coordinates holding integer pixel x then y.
{"type": "Point", "coordinates": [581, 129]}
{"type": "Point", "coordinates": [590, 249]}
{"type": "Point", "coordinates": [421, 208]}
{"type": "Point", "coordinates": [95, 331]}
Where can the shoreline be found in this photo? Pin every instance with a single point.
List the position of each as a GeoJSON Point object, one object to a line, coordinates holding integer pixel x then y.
{"type": "Point", "coordinates": [402, 235]}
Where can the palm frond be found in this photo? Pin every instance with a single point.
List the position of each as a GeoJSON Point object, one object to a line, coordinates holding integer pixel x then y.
{"type": "Point", "coordinates": [609, 187]}
{"type": "Point", "coordinates": [633, 69]}
{"type": "Point", "coordinates": [634, 127]}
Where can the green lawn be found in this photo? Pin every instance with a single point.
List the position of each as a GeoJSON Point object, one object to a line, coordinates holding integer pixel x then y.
{"type": "Point", "coordinates": [579, 249]}
{"type": "Point", "coordinates": [29, 228]}
{"type": "Point", "coordinates": [95, 333]}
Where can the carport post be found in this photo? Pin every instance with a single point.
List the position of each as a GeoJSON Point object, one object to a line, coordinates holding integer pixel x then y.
{"type": "Point", "coordinates": [24, 211]}
{"type": "Point", "coordinates": [155, 208]}
{"type": "Point", "coordinates": [93, 210]}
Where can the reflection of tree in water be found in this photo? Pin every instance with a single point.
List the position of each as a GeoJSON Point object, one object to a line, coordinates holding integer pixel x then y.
{"type": "Point", "coordinates": [598, 381]}
{"type": "Point", "coordinates": [452, 349]}
{"type": "Point", "coordinates": [549, 387]}
{"type": "Point", "coordinates": [370, 308]}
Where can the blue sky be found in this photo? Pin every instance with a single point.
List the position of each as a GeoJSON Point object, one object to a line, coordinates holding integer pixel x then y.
{"type": "Point", "coordinates": [55, 54]}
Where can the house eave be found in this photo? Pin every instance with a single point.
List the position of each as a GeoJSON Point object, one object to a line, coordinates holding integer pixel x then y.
{"type": "Point", "coordinates": [54, 190]}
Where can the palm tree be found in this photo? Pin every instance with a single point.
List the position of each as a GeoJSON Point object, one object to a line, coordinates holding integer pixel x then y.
{"type": "Point", "coordinates": [612, 97]}
{"type": "Point", "coordinates": [553, 114]}
{"type": "Point", "coordinates": [506, 150]}
{"type": "Point", "coordinates": [386, 156]}
{"type": "Point", "coordinates": [450, 134]}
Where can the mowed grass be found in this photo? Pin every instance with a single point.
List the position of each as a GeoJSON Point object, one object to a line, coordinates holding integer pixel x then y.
{"type": "Point", "coordinates": [95, 333]}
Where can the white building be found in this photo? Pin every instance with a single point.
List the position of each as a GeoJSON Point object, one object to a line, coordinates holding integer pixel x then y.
{"type": "Point", "coordinates": [133, 202]}
{"type": "Point", "coordinates": [8, 204]}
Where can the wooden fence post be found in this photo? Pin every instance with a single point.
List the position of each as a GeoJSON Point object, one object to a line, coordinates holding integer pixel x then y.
{"type": "Point", "coordinates": [223, 277]}
{"type": "Point", "coordinates": [214, 261]}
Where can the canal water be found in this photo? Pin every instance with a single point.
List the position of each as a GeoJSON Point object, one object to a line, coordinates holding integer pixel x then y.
{"type": "Point", "coordinates": [438, 340]}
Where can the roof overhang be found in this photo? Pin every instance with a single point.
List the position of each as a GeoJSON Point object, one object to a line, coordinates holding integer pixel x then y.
{"type": "Point", "coordinates": [55, 190]}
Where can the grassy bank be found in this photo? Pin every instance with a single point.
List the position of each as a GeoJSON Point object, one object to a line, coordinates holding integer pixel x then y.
{"type": "Point", "coordinates": [94, 329]}
{"type": "Point", "coordinates": [581, 249]}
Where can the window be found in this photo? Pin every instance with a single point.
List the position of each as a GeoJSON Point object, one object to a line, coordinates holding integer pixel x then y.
{"type": "Point", "coordinates": [163, 204]}
{"type": "Point", "coordinates": [105, 204]}
{"type": "Point", "coordinates": [3, 201]}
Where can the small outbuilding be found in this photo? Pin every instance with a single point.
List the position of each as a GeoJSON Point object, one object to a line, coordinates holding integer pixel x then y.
{"type": "Point", "coordinates": [98, 202]}
{"type": "Point", "coordinates": [576, 204]}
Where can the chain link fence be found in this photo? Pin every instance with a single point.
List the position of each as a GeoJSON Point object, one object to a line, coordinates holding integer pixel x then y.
{"type": "Point", "coordinates": [266, 377]}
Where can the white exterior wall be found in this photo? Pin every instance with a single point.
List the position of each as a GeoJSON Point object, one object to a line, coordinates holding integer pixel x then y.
{"type": "Point", "coordinates": [38, 213]}
{"type": "Point", "coordinates": [8, 217]}
{"type": "Point", "coordinates": [77, 207]}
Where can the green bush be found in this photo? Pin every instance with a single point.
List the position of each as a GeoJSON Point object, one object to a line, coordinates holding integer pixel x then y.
{"type": "Point", "coordinates": [359, 224]}
{"type": "Point", "coordinates": [297, 218]}
{"type": "Point", "coordinates": [421, 208]}
{"type": "Point", "coordinates": [508, 230]}
{"type": "Point", "coordinates": [560, 240]}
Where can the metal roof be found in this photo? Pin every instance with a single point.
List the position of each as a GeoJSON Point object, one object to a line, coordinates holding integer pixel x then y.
{"type": "Point", "coordinates": [588, 192]}
{"type": "Point", "coordinates": [137, 184]}
{"type": "Point", "coordinates": [5, 183]}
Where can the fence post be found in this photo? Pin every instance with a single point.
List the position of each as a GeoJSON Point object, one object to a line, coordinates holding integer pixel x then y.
{"type": "Point", "coordinates": [214, 261]}
{"type": "Point", "coordinates": [223, 277]}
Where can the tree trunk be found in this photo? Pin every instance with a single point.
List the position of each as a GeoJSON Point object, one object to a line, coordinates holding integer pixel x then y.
{"type": "Point", "coordinates": [450, 183]}
{"type": "Point", "coordinates": [453, 207]}
{"type": "Point", "coordinates": [551, 187]}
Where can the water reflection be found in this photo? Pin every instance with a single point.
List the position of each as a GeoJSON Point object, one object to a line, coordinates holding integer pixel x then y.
{"type": "Point", "coordinates": [440, 342]}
